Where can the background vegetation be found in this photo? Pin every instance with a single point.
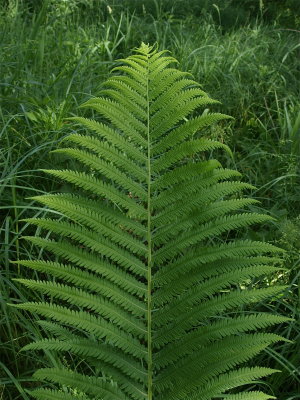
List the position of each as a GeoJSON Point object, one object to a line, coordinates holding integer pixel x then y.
{"type": "Point", "coordinates": [55, 54]}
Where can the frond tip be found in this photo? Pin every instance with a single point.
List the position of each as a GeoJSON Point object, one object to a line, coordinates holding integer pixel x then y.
{"type": "Point", "coordinates": [146, 49]}
{"type": "Point", "coordinates": [145, 288]}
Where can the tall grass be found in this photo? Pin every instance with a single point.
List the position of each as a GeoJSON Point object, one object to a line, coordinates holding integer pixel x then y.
{"type": "Point", "coordinates": [54, 55]}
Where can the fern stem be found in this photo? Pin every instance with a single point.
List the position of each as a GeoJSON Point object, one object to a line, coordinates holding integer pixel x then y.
{"type": "Point", "coordinates": [149, 244]}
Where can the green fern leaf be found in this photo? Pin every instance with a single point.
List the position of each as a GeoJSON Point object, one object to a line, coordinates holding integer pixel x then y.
{"type": "Point", "coordinates": [145, 289]}
{"type": "Point", "coordinates": [49, 394]}
{"type": "Point", "coordinates": [250, 396]}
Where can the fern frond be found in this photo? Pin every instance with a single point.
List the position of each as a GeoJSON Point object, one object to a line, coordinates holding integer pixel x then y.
{"type": "Point", "coordinates": [50, 394]}
{"type": "Point", "coordinates": [104, 168]}
{"type": "Point", "coordinates": [91, 349]}
{"type": "Point", "coordinates": [57, 330]}
{"type": "Point", "coordinates": [90, 385]}
{"type": "Point", "coordinates": [67, 204]}
{"type": "Point", "coordinates": [185, 173]}
{"type": "Point", "coordinates": [111, 154]}
{"type": "Point", "coordinates": [90, 282]}
{"type": "Point", "coordinates": [107, 190]}
{"type": "Point", "coordinates": [212, 306]}
{"type": "Point", "coordinates": [186, 130]}
{"type": "Point", "coordinates": [230, 254]}
{"type": "Point", "coordinates": [91, 324]}
{"type": "Point", "coordinates": [171, 94]}
{"type": "Point", "coordinates": [210, 229]}
{"type": "Point", "coordinates": [250, 396]}
{"type": "Point", "coordinates": [91, 262]}
{"type": "Point", "coordinates": [133, 73]}
{"type": "Point", "coordinates": [215, 330]}
{"type": "Point", "coordinates": [184, 150]}
{"type": "Point", "coordinates": [184, 376]}
{"type": "Point", "coordinates": [90, 240]}
{"type": "Point", "coordinates": [212, 360]}
{"type": "Point", "coordinates": [182, 191]}
{"type": "Point", "coordinates": [83, 299]}
{"type": "Point", "coordinates": [218, 208]}
{"type": "Point", "coordinates": [146, 289]}
{"type": "Point", "coordinates": [199, 289]}
{"type": "Point", "coordinates": [112, 136]}
{"type": "Point", "coordinates": [231, 380]}
{"type": "Point", "coordinates": [178, 209]}
{"type": "Point", "coordinates": [213, 270]}
{"type": "Point", "coordinates": [165, 81]}
{"type": "Point", "coordinates": [126, 102]}
{"type": "Point", "coordinates": [121, 118]}
{"type": "Point", "coordinates": [127, 91]}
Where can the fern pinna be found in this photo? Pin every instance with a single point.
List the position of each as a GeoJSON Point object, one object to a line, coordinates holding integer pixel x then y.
{"type": "Point", "coordinates": [146, 290]}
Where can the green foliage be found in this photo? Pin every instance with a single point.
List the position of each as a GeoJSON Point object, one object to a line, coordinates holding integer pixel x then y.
{"type": "Point", "coordinates": [142, 289]}
{"type": "Point", "coordinates": [227, 14]}
{"type": "Point", "coordinates": [52, 59]}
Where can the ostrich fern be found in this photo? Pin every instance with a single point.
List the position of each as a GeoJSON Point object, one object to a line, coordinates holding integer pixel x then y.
{"type": "Point", "coordinates": [146, 291]}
